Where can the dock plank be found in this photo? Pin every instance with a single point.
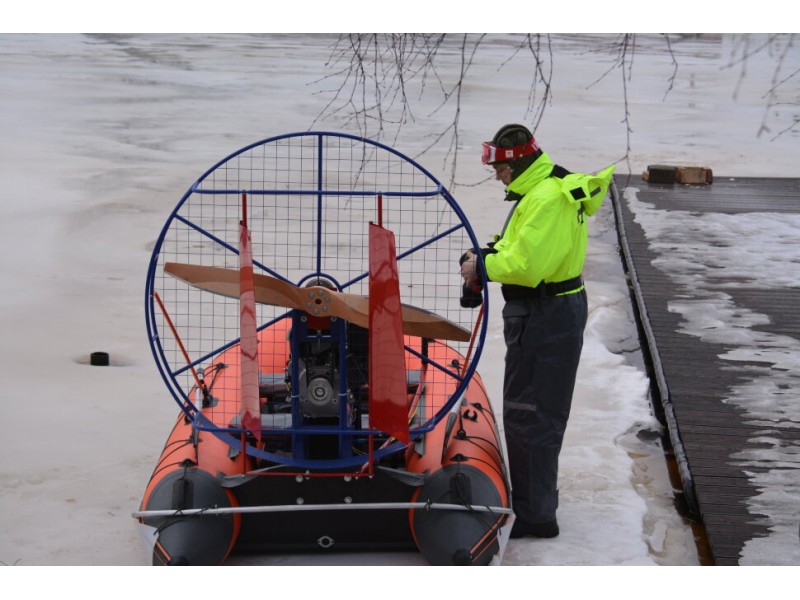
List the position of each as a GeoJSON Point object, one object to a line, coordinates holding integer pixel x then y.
{"type": "Point", "coordinates": [707, 401]}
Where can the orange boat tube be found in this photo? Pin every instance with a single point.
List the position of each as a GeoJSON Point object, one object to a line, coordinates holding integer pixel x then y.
{"type": "Point", "coordinates": [183, 480]}
{"type": "Point", "coordinates": [463, 465]}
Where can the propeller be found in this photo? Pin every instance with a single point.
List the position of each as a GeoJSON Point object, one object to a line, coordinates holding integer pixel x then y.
{"type": "Point", "coordinates": [315, 300]}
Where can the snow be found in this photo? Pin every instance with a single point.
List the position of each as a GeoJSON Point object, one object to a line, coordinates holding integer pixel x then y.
{"type": "Point", "coordinates": [103, 135]}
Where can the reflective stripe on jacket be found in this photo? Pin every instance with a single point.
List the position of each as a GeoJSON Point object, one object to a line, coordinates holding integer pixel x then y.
{"type": "Point", "coordinates": [545, 238]}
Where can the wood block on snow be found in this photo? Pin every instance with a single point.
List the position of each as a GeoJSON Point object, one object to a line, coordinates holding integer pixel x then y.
{"type": "Point", "coordinates": [693, 175]}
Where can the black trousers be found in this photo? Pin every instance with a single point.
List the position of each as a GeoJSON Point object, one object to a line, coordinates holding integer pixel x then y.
{"type": "Point", "coordinates": [544, 338]}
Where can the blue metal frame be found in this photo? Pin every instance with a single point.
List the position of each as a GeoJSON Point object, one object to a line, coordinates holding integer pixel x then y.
{"type": "Point", "coordinates": [226, 434]}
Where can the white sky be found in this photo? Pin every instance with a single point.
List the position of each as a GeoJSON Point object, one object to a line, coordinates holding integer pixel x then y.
{"type": "Point", "coordinates": [101, 143]}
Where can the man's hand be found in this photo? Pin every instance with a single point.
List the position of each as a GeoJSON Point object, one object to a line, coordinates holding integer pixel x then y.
{"type": "Point", "coordinates": [469, 270]}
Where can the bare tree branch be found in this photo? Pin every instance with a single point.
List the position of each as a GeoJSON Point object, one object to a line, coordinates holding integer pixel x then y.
{"type": "Point", "coordinates": [672, 77]}
{"type": "Point", "coordinates": [625, 46]}
{"type": "Point", "coordinates": [379, 79]}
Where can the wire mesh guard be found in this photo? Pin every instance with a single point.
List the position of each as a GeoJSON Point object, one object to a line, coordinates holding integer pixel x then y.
{"type": "Point", "coordinates": [310, 198]}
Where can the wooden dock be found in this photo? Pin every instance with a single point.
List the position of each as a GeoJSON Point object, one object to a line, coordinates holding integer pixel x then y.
{"type": "Point", "coordinates": [733, 441]}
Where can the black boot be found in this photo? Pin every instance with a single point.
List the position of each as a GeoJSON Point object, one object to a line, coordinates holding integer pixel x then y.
{"type": "Point", "coordinates": [539, 530]}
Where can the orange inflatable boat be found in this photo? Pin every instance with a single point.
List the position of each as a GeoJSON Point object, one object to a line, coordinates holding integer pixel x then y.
{"type": "Point", "coordinates": [308, 323]}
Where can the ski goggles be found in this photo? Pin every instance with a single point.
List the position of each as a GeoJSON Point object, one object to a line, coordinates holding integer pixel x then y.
{"type": "Point", "coordinates": [493, 154]}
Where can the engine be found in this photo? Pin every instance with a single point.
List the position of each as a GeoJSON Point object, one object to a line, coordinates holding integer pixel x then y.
{"type": "Point", "coordinates": [318, 387]}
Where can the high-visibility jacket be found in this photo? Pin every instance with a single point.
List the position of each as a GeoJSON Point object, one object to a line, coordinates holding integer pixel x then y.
{"type": "Point", "coordinates": [545, 238]}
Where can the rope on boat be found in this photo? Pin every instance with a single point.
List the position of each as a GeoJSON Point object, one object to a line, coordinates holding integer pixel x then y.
{"type": "Point", "coordinates": [188, 512]}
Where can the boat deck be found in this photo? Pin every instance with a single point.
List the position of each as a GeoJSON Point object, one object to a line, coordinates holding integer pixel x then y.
{"type": "Point", "coordinates": [722, 341]}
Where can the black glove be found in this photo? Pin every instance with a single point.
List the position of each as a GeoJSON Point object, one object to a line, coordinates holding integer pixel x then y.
{"type": "Point", "coordinates": [471, 296]}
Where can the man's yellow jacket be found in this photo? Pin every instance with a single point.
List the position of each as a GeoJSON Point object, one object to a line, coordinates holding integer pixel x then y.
{"type": "Point", "coordinates": [545, 239]}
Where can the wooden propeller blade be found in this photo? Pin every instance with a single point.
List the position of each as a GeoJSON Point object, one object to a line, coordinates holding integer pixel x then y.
{"type": "Point", "coordinates": [315, 300]}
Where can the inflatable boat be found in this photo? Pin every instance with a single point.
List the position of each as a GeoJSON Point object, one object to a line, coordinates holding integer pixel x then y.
{"type": "Point", "coordinates": [303, 306]}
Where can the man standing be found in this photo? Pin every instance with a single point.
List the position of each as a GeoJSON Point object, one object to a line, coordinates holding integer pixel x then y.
{"type": "Point", "coordinates": [538, 258]}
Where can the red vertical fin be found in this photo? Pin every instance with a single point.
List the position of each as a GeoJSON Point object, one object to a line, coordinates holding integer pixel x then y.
{"type": "Point", "coordinates": [388, 403]}
{"type": "Point", "coordinates": [249, 409]}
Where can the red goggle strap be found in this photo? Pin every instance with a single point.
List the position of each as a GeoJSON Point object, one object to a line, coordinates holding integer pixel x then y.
{"type": "Point", "coordinates": [492, 153]}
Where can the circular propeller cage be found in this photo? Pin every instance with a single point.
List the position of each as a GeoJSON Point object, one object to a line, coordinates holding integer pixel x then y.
{"type": "Point", "coordinates": [310, 199]}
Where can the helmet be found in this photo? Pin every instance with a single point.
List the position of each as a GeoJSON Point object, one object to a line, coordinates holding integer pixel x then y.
{"type": "Point", "coordinates": [509, 143]}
